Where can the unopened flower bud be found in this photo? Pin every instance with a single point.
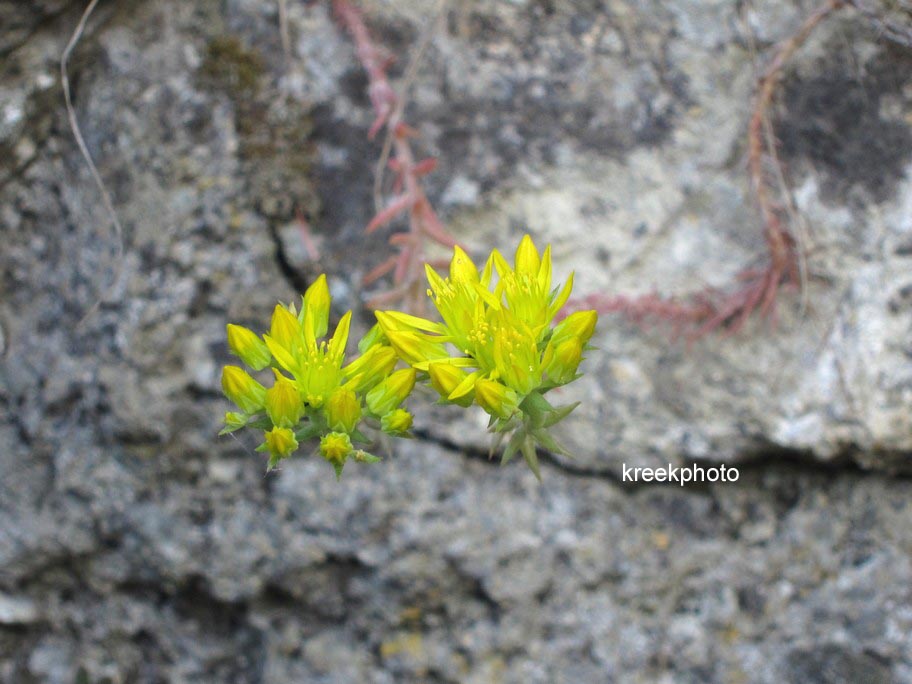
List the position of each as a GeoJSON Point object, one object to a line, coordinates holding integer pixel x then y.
{"type": "Point", "coordinates": [242, 389]}
{"type": "Point", "coordinates": [396, 422]}
{"type": "Point", "coordinates": [580, 324]}
{"type": "Point", "coordinates": [342, 410]}
{"type": "Point", "coordinates": [335, 447]}
{"type": "Point", "coordinates": [565, 360]}
{"type": "Point", "coordinates": [283, 402]}
{"type": "Point", "coordinates": [496, 399]}
{"type": "Point", "coordinates": [445, 378]}
{"type": "Point", "coordinates": [371, 367]}
{"type": "Point", "coordinates": [391, 392]}
{"type": "Point", "coordinates": [280, 442]}
{"type": "Point", "coordinates": [247, 345]}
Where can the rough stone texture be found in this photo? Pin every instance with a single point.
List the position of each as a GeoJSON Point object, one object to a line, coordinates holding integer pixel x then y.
{"type": "Point", "coordinates": [136, 547]}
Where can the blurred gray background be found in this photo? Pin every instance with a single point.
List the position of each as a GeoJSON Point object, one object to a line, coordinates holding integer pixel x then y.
{"type": "Point", "coordinates": [136, 546]}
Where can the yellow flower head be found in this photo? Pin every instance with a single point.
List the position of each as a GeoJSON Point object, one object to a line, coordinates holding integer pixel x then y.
{"type": "Point", "coordinates": [526, 288]}
{"type": "Point", "coordinates": [316, 366]}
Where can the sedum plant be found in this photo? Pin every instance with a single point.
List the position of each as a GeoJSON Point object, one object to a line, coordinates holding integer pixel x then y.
{"type": "Point", "coordinates": [498, 346]}
{"type": "Point", "coordinates": [315, 394]}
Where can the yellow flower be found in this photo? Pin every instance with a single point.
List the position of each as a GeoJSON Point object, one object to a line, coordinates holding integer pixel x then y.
{"type": "Point", "coordinates": [456, 302]}
{"type": "Point", "coordinates": [335, 447]}
{"type": "Point", "coordinates": [498, 400]}
{"type": "Point", "coordinates": [526, 289]}
{"type": "Point", "coordinates": [242, 389]}
{"type": "Point", "coordinates": [391, 392]}
{"type": "Point", "coordinates": [342, 410]}
{"type": "Point", "coordinates": [396, 422]}
{"type": "Point", "coordinates": [283, 402]}
{"type": "Point", "coordinates": [280, 442]}
{"type": "Point", "coordinates": [247, 345]}
{"type": "Point", "coordinates": [317, 367]}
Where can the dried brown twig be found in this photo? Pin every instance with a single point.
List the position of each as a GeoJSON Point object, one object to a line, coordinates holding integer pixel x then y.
{"type": "Point", "coordinates": [84, 150]}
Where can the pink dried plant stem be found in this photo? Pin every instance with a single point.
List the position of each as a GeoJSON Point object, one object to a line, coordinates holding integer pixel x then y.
{"type": "Point", "coordinates": [708, 310]}
{"type": "Point", "coordinates": [423, 222]}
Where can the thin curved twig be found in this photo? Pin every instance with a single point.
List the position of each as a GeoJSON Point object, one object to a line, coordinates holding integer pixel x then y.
{"type": "Point", "coordinates": [84, 150]}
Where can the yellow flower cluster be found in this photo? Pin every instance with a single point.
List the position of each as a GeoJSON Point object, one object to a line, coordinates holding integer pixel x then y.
{"type": "Point", "coordinates": [314, 394]}
{"type": "Point", "coordinates": [497, 346]}
{"type": "Point", "coordinates": [509, 353]}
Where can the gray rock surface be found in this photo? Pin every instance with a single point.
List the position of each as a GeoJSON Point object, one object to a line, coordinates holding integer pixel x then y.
{"type": "Point", "coordinates": [137, 547]}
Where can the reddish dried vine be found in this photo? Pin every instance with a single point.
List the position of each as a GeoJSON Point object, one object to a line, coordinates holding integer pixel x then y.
{"type": "Point", "coordinates": [697, 314]}
{"type": "Point", "coordinates": [407, 267]}
{"type": "Point", "coordinates": [711, 310]}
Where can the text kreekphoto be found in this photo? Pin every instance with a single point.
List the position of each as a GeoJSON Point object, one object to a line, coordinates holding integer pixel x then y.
{"type": "Point", "coordinates": [681, 474]}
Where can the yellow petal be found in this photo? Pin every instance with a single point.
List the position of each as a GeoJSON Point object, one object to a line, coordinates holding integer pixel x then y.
{"type": "Point", "coordinates": [316, 303]}
{"type": "Point", "coordinates": [544, 271]}
{"type": "Point", "coordinates": [465, 387]}
{"type": "Point", "coordinates": [503, 268]}
{"type": "Point", "coordinates": [403, 321]}
{"type": "Point", "coordinates": [438, 284]}
{"type": "Point", "coordinates": [340, 339]}
{"type": "Point", "coordinates": [414, 348]}
{"type": "Point", "coordinates": [282, 356]}
{"type": "Point", "coordinates": [526, 259]}
{"type": "Point", "coordinates": [562, 298]}
{"type": "Point", "coordinates": [461, 267]}
{"type": "Point", "coordinates": [283, 402]}
{"type": "Point", "coordinates": [285, 329]}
